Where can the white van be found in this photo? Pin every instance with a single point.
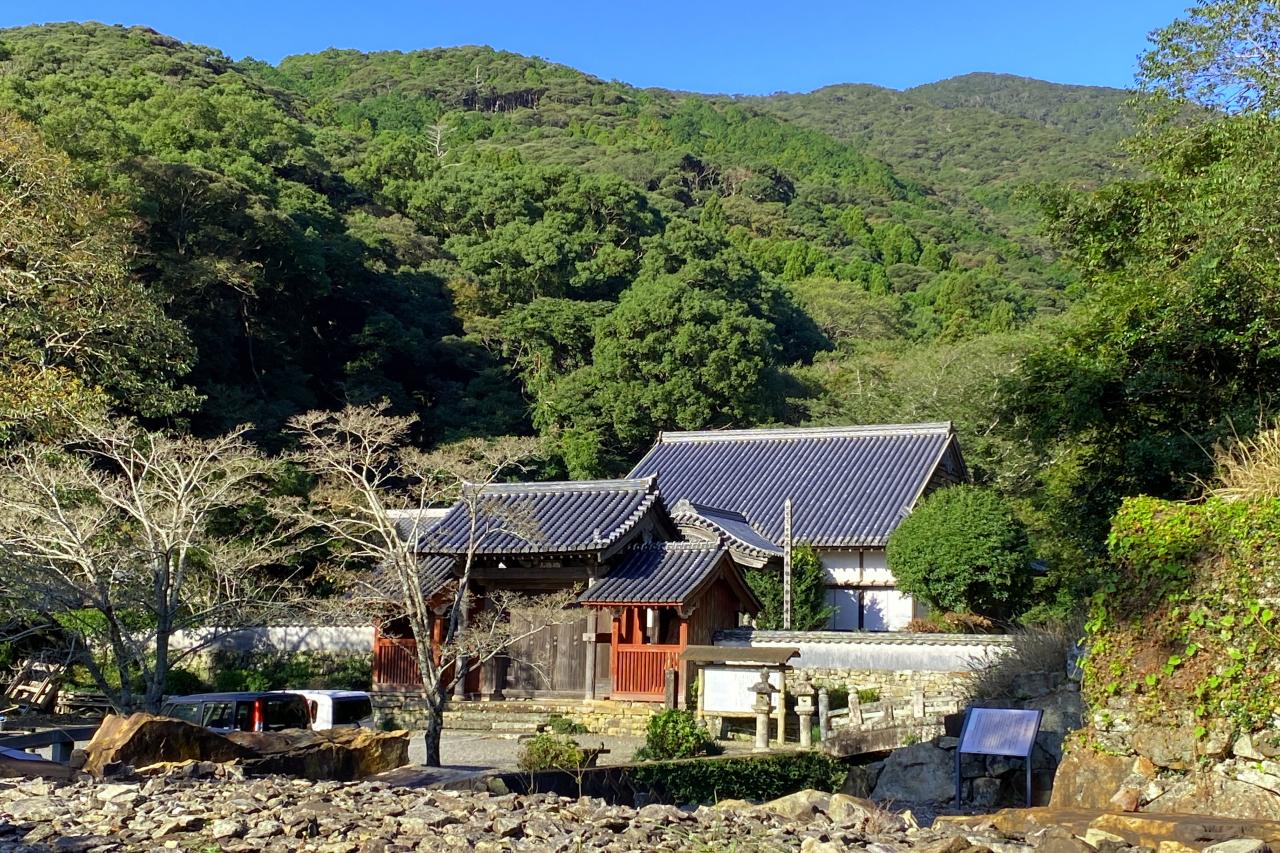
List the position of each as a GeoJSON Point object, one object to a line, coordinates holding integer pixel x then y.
{"type": "Point", "coordinates": [332, 709]}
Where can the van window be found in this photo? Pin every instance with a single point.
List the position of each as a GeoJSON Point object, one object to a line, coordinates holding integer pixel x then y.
{"type": "Point", "coordinates": [286, 712]}
{"type": "Point", "coordinates": [217, 715]}
{"type": "Point", "coordinates": [349, 711]}
{"type": "Point", "coordinates": [244, 716]}
{"type": "Point", "coordinates": [188, 711]}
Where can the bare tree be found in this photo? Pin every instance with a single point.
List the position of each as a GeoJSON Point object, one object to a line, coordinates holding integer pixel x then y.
{"type": "Point", "coordinates": [368, 477]}
{"type": "Point", "coordinates": [124, 537]}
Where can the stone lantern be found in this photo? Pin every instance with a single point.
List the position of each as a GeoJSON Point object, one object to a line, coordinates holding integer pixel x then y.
{"type": "Point", "coordinates": [763, 706]}
{"type": "Point", "coordinates": [804, 710]}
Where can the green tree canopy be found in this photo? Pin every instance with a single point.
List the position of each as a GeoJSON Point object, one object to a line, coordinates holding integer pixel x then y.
{"type": "Point", "coordinates": [963, 550]}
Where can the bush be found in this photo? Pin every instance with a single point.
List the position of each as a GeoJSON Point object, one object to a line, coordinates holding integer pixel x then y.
{"type": "Point", "coordinates": [867, 695]}
{"type": "Point", "coordinates": [809, 608]}
{"type": "Point", "coordinates": [963, 550]}
{"type": "Point", "coordinates": [548, 751]}
{"type": "Point", "coordinates": [182, 682]}
{"type": "Point", "coordinates": [298, 670]}
{"type": "Point", "coordinates": [676, 734]}
{"type": "Point", "coordinates": [562, 725]}
{"type": "Point", "coordinates": [1037, 649]}
{"type": "Point", "coordinates": [742, 778]}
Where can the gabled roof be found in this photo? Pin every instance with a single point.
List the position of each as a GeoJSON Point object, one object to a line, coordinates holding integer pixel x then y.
{"type": "Point", "coordinates": [434, 573]}
{"type": "Point", "coordinates": [412, 524]}
{"type": "Point", "coordinates": [849, 486]}
{"type": "Point", "coordinates": [663, 573]}
{"type": "Point", "coordinates": [559, 517]}
{"type": "Point", "coordinates": [731, 525]}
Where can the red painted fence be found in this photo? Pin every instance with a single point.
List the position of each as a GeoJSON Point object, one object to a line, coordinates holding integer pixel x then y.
{"type": "Point", "coordinates": [638, 670]}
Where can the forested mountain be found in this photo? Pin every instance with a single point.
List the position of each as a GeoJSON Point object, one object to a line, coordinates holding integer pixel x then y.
{"type": "Point", "coordinates": [977, 138]}
{"type": "Point", "coordinates": [508, 246]}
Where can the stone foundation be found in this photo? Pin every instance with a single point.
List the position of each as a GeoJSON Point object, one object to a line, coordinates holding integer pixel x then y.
{"type": "Point", "coordinates": [408, 711]}
{"type": "Point", "coordinates": [889, 684]}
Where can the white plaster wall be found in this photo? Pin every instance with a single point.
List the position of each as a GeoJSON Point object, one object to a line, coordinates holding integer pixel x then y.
{"type": "Point", "coordinates": [842, 568]}
{"type": "Point", "coordinates": [877, 651]}
{"type": "Point", "coordinates": [286, 638]}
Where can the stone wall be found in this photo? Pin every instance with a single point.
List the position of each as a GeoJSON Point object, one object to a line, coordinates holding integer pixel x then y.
{"type": "Point", "coordinates": [889, 684]}
{"type": "Point", "coordinates": [408, 711]}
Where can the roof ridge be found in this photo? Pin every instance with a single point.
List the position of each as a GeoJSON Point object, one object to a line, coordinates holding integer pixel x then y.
{"type": "Point", "coordinates": [624, 484]}
{"type": "Point", "coordinates": [789, 433]}
{"type": "Point", "coordinates": [684, 545]}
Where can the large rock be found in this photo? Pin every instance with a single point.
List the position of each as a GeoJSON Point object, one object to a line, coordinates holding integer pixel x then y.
{"type": "Point", "coordinates": [142, 739]}
{"type": "Point", "coordinates": [338, 754]}
{"type": "Point", "coordinates": [802, 805]}
{"type": "Point", "coordinates": [1087, 779]}
{"type": "Point", "coordinates": [1217, 794]}
{"type": "Point", "coordinates": [920, 773]}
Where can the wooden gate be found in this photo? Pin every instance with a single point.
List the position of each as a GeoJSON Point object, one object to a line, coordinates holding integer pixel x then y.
{"type": "Point", "coordinates": [640, 672]}
{"type": "Point", "coordinates": [548, 662]}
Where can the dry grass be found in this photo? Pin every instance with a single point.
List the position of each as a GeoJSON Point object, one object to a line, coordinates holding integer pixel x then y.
{"type": "Point", "coordinates": [1035, 649]}
{"type": "Point", "coordinates": [1248, 469]}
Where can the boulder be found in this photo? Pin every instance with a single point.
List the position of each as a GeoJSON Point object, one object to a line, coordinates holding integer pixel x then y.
{"type": "Point", "coordinates": [1238, 845]}
{"type": "Point", "coordinates": [802, 805]}
{"type": "Point", "coordinates": [337, 754]}
{"type": "Point", "coordinates": [141, 739]}
{"type": "Point", "coordinates": [845, 810]}
{"type": "Point", "coordinates": [861, 779]}
{"type": "Point", "coordinates": [920, 773]}
{"type": "Point", "coordinates": [1087, 779]}
{"type": "Point", "coordinates": [1217, 794]}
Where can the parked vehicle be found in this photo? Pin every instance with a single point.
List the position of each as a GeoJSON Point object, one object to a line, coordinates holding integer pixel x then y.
{"type": "Point", "coordinates": [331, 709]}
{"type": "Point", "coordinates": [241, 712]}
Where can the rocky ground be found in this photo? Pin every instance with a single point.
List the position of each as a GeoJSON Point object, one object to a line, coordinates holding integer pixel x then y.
{"type": "Point", "coordinates": [204, 807]}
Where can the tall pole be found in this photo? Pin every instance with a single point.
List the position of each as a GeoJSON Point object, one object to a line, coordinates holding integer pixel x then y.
{"type": "Point", "coordinates": [786, 564]}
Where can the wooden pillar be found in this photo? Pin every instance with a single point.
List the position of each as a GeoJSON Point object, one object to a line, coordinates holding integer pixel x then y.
{"type": "Point", "coordinates": [589, 670]}
{"type": "Point", "coordinates": [614, 621]}
{"type": "Point", "coordinates": [682, 682]}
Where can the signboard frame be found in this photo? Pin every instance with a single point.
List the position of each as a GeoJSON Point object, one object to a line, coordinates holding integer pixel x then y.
{"type": "Point", "coordinates": [1022, 746]}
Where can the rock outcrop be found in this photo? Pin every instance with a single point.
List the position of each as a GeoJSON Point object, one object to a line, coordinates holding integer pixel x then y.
{"type": "Point", "coordinates": [141, 740]}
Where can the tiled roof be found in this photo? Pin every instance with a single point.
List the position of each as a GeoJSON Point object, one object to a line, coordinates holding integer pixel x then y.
{"type": "Point", "coordinates": [656, 573]}
{"type": "Point", "coordinates": [849, 486]}
{"type": "Point", "coordinates": [732, 525]}
{"type": "Point", "coordinates": [434, 572]}
{"type": "Point", "coordinates": [561, 517]}
{"type": "Point", "coordinates": [412, 524]}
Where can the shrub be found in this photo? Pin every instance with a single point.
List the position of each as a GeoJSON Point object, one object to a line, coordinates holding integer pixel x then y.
{"type": "Point", "coordinates": [758, 779]}
{"type": "Point", "coordinates": [562, 725]}
{"type": "Point", "coordinates": [963, 550]}
{"type": "Point", "coordinates": [1249, 469]}
{"type": "Point", "coordinates": [547, 751]}
{"type": "Point", "coordinates": [867, 695]}
{"type": "Point", "coordinates": [299, 670]}
{"type": "Point", "coordinates": [182, 682]}
{"type": "Point", "coordinates": [809, 608]}
{"type": "Point", "coordinates": [676, 733]}
{"type": "Point", "coordinates": [1036, 649]}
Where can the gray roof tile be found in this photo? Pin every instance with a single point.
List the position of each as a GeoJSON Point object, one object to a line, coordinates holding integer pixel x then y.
{"type": "Point", "coordinates": [560, 517]}
{"type": "Point", "coordinates": [656, 573]}
{"type": "Point", "coordinates": [732, 525]}
{"type": "Point", "coordinates": [849, 486]}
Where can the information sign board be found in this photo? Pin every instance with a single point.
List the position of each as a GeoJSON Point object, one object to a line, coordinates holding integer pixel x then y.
{"type": "Point", "coordinates": [999, 731]}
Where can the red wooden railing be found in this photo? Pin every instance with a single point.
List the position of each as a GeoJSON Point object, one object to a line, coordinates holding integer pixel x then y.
{"type": "Point", "coordinates": [638, 671]}
{"type": "Point", "coordinates": [395, 662]}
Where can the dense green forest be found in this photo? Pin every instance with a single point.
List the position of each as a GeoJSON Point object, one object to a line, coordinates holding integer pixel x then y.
{"type": "Point", "coordinates": [508, 246]}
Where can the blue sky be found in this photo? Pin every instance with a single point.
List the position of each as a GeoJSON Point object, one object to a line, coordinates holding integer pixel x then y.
{"type": "Point", "coordinates": [722, 46]}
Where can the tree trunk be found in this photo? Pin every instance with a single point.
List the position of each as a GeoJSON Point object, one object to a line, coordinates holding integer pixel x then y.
{"type": "Point", "coordinates": [431, 735]}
